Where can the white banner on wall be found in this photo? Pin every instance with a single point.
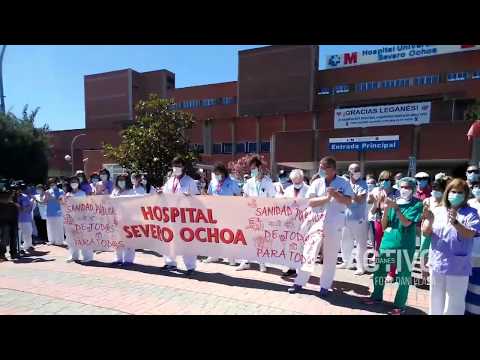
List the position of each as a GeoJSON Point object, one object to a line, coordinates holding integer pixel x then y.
{"type": "Point", "coordinates": [278, 231]}
{"type": "Point", "coordinates": [392, 53]}
{"type": "Point", "coordinates": [383, 115]}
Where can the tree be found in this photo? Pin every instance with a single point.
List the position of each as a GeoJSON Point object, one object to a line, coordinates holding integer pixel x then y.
{"type": "Point", "coordinates": [156, 137]}
{"type": "Point", "coordinates": [239, 168]}
{"type": "Point", "coordinates": [473, 111]}
{"type": "Point", "coordinates": [24, 148]}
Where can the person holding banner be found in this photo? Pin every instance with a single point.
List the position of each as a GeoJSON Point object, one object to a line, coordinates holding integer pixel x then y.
{"type": "Point", "coordinates": [332, 193]}
{"type": "Point", "coordinates": [106, 182]}
{"type": "Point", "coordinates": [399, 219]}
{"type": "Point", "coordinates": [123, 256]}
{"type": "Point", "coordinates": [222, 185]}
{"type": "Point", "coordinates": [258, 185]}
{"type": "Point", "coordinates": [74, 251]}
{"type": "Point", "coordinates": [180, 183]}
{"type": "Point", "coordinates": [452, 228]}
{"type": "Point", "coordinates": [298, 190]}
{"type": "Point", "coordinates": [137, 187]}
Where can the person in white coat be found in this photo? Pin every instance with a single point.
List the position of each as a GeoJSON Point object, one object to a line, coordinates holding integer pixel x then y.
{"type": "Point", "coordinates": [52, 197]}
{"type": "Point", "coordinates": [74, 251]}
{"type": "Point", "coordinates": [298, 190]}
{"type": "Point", "coordinates": [332, 193]}
{"type": "Point", "coordinates": [123, 256]}
{"type": "Point", "coordinates": [356, 225]}
{"type": "Point", "coordinates": [180, 183]}
{"type": "Point", "coordinates": [258, 185]}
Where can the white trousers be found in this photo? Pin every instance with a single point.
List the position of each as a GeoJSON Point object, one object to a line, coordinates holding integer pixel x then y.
{"type": "Point", "coordinates": [25, 234]}
{"type": "Point", "coordinates": [331, 245]}
{"type": "Point", "coordinates": [355, 231]}
{"type": "Point", "coordinates": [55, 231]}
{"type": "Point", "coordinates": [447, 294]}
{"type": "Point", "coordinates": [189, 261]}
{"type": "Point", "coordinates": [125, 255]}
{"type": "Point", "coordinates": [87, 254]}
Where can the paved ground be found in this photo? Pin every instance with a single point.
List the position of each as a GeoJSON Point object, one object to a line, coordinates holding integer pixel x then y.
{"type": "Point", "coordinates": [46, 284]}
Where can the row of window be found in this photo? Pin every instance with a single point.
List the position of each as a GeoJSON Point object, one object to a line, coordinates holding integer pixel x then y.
{"type": "Point", "coordinates": [240, 148]}
{"type": "Point", "coordinates": [424, 80]}
{"type": "Point", "coordinates": [193, 104]}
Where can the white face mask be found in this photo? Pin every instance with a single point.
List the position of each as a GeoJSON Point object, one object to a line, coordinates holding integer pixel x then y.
{"type": "Point", "coordinates": [406, 194]}
{"type": "Point", "coordinates": [356, 175]}
{"type": "Point", "coordinates": [177, 171]}
{"type": "Point", "coordinates": [121, 184]}
{"type": "Point", "coordinates": [134, 181]}
{"type": "Point", "coordinates": [103, 177]}
{"type": "Point", "coordinates": [144, 182]}
{"type": "Point", "coordinates": [53, 187]}
{"type": "Point", "coordinates": [298, 186]}
{"type": "Point", "coordinates": [219, 177]}
{"type": "Point", "coordinates": [74, 186]}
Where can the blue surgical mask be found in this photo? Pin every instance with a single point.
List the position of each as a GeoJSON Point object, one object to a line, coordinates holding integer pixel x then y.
{"type": "Point", "coordinates": [385, 184]}
{"type": "Point", "coordinates": [322, 173]}
{"type": "Point", "coordinates": [437, 194]}
{"type": "Point", "coordinates": [456, 199]}
{"type": "Point", "coordinates": [370, 187]}
{"type": "Point", "coordinates": [422, 184]}
{"type": "Point", "coordinates": [476, 192]}
{"type": "Point", "coordinates": [254, 173]}
{"type": "Point", "coordinates": [472, 177]}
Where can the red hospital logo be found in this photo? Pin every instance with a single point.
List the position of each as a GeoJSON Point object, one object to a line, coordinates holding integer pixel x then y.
{"type": "Point", "coordinates": [350, 58]}
{"type": "Point", "coordinates": [467, 46]}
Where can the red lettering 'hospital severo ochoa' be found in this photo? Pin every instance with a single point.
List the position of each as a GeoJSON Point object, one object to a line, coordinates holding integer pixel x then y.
{"type": "Point", "coordinates": [283, 107]}
{"type": "Point", "coordinates": [183, 216]}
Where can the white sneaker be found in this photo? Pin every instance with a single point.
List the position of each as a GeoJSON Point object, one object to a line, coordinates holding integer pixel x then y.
{"type": "Point", "coordinates": [359, 272]}
{"type": "Point", "coordinates": [232, 262]}
{"type": "Point", "coordinates": [342, 266]}
{"type": "Point", "coordinates": [244, 266]}
{"type": "Point", "coordinates": [263, 268]}
{"type": "Point", "coordinates": [70, 260]}
{"type": "Point", "coordinates": [210, 259]}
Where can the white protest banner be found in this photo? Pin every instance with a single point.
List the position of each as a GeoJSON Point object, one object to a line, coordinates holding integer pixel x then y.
{"type": "Point", "coordinates": [256, 229]}
{"type": "Point", "coordinates": [383, 115]}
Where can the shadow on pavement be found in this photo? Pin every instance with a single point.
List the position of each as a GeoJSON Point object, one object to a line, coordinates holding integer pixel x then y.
{"type": "Point", "coordinates": [28, 260]}
{"type": "Point", "coordinates": [343, 299]}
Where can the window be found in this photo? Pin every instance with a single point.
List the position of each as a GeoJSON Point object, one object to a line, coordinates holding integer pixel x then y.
{"type": "Point", "coordinates": [372, 85]}
{"type": "Point", "coordinates": [388, 84]}
{"type": "Point", "coordinates": [240, 148]}
{"type": "Point", "coordinates": [459, 76]}
{"type": "Point", "coordinates": [200, 148]}
{"type": "Point", "coordinates": [251, 147]}
{"type": "Point", "coordinates": [324, 91]}
{"type": "Point", "coordinates": [227, 148]}
{"type": "Point", "coordinates": [114, 170]}
{"type": "Point", "coordinates": [229, 100]}
{"type": "Point", "coordinates": [419, 81]}
{"type": "Point", "coordinates": [476, 74]}
{"type": "Point", "coordinates": [342, 89]}
{"type": "Point", "coordinates": [217, 148]}
{"type": "Point", "coordinates": [362, 86]}
{"type": "Point", "coordinates": [265, 146]}
{"type": "Point", "coordinates": [170, 83]}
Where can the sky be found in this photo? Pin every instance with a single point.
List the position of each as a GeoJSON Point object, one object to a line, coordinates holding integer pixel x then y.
{"type": "Point", "coordinates": [51, 76]}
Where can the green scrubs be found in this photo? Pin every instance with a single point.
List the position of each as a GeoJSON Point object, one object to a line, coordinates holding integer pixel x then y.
{"type": "Point", "coordinates": [398, 246]}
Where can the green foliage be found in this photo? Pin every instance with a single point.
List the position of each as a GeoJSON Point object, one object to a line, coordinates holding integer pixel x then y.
{"type": "Point", "coordinates": [473, 111]}
{"type": "Point", "coordinates": [156, 137]}
{"type": "Point", "coordinates": [24, 149]}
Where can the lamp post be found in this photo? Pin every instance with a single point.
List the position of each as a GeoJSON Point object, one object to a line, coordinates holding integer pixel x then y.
{"type": "Point", "coordinates": [2, 97]}
{"type": "Point", "coordinates": [71, 149]}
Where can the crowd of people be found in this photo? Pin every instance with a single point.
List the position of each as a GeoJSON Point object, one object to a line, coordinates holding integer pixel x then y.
{"type": "Point", "coordinates": [386, 214]}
